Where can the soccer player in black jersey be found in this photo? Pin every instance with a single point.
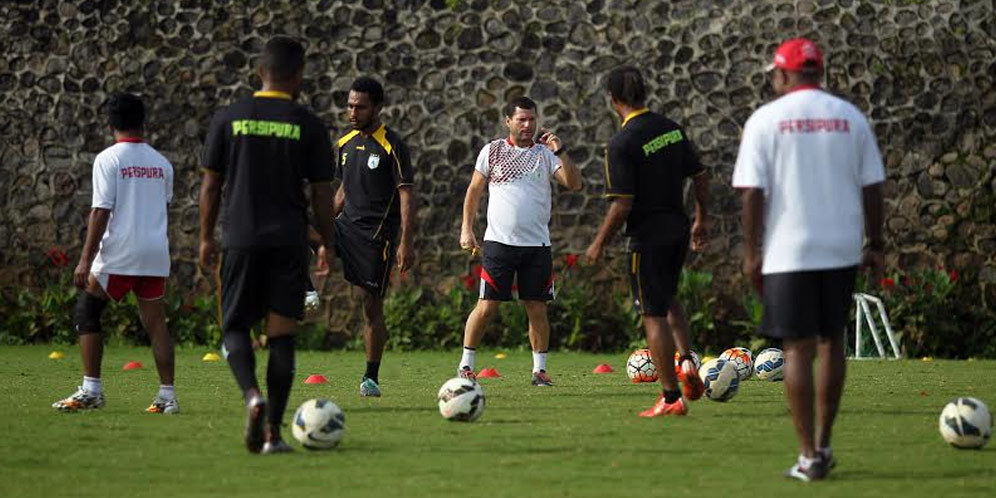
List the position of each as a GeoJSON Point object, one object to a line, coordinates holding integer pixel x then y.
{"type": "Point", "coordinates": [258, 152]}
{"type": "Point", "coordinates": [646, 167]}
{"type": "Point", "coordinates": [375, 214]}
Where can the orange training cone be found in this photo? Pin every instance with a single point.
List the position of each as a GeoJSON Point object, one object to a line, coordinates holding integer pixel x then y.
{"type": "Point", "coordinates": [316, 379]}
{"type": "Point", "coordinates": [488, 373]}
{"type": "Point", "coordinates": [132, 365]}
{"type": "Point", "coordinates": [603, 369]}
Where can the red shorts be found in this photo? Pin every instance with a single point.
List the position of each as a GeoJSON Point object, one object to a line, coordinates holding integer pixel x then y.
{"type": "Point", "coordinates": [145, 288]}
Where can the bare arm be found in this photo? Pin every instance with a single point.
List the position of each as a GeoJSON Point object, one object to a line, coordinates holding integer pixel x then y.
{"type": "Point", "coordinates": [321, 205]}
{"type": "Point", "coordinates": [406, 249]}
{"type": "Point", "coordinates": [210, 200]}
{"type": "Point", "coordinates": [752, 200]}
{"type": "Point", "coordinates": [95, 228]}
{"type": "Point", "coordinates": [618, 212]}
{"type": "Point", "coordinates": [700, 228]}
{"type": "Point", "coordinates": [568, 175]}
{"type": "Point", "coordinates": [340, 201]}
{"type": "Point", "coordinates": [478, 183]}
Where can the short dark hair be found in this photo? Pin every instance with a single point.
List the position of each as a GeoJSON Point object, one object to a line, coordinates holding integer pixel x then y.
{"type": "Point", "coordinates": [521, 103]}
{"type": "Point", "coordinates": [283, 58]}
{"type": "Point", "coordinates": [125, 112]}
{"type": "Point", "coordinates": [369, 86]}
{"type": "Point", "coordinates": [625, 84]}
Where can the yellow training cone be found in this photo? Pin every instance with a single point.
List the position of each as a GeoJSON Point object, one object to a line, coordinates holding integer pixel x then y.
{"type": "Point", "coordinates": [56, 355]}
{"type": "Point", "coordinates": [501, 356]}
{"type": "Point", "coordinates": [211, 357]}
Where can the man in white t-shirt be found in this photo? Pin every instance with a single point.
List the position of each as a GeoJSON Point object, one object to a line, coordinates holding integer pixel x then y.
{"type": "Point", "coordinates": [516, 171]}
{"type": "Point", "coordinates": [126, 250]}
{"type": "Point", "coordinates": [811, 178]}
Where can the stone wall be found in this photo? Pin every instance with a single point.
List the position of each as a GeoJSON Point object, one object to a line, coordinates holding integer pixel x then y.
{"type": "Point", "coordinates": [923, 70]}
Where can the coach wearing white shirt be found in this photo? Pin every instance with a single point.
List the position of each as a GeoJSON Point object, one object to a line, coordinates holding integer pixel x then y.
{"type": "Point", "coordinates": [810, 173]}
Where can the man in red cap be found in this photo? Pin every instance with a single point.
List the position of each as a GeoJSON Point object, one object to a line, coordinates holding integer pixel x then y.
{"type": "Point", "coordinates": [810, 174]}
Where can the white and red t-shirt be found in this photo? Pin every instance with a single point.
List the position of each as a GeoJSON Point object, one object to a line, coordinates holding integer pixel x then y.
{"type": "Point", "coordinates": [135, 183]}
{"type": "Point", "coordinates": [519, 192]}
{"type": "Point", "coordinates": [811, 153]}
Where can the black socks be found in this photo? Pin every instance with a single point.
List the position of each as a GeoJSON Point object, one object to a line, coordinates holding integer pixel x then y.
{"type": "Point", "coordinates": [373, 370]}
{"type": "Point", "coordinates": [242, 359]}
{"type": "Point", "coordinates": [279, 377]}
{"type": "Point", "coordinates": [672, 396]}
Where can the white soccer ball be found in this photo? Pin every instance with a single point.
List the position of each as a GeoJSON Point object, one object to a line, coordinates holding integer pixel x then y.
{"type": "Point", "coordinates": [742, 359]}
{"type": "Point", "coordinates": [966, 423]}
{"type": "Point", "coordinates": [461, 400]}
{"type": "Point", "coordinates": [319, 424]}
{"type": "Point", "coordinates": [640, 367]}
{"type": "Point", "coordinates": [770, 365]}
{"type": "Point", "coordinates": [720, 379]}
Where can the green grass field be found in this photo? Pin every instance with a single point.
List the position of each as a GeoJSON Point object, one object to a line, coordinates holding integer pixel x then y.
{"type": "Point", "coordinates": [580, 438]}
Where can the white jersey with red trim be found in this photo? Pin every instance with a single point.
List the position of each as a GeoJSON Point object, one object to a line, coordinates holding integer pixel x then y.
{"type": "Point", "coordinates": [134, 182]}
{"type": "Point", "coordinates": [518, 192]}
{"type": "Point", "coordinates": [811, 153]}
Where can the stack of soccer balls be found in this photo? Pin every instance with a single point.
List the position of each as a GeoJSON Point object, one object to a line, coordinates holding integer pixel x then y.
{"type": "Point", "coordinates": [722, 376]}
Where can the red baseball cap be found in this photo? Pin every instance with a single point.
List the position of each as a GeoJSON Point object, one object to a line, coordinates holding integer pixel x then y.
{"type": "Point", "coordinates": [793, 54]}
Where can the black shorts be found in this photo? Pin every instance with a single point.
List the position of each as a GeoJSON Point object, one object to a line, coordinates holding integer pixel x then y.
{"type": "Point", "coordinates": [807, 303]}
{"type": "Point", "coordinates": [257, 281]}
{"type": "Point", "coordinates": [530, 268]}
{"type": "Point", "coordinates": [366, 262]}
{"type": "Point", "coordinates": [653, 275]}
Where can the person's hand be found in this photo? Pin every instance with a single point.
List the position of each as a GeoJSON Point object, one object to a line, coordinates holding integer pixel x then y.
{"type": "Point", "coordinates": [550, 140]}
{"type": "Point", "coordinates": [873, 261]}
{"type": "Point", "coordinates": [700, 234]}
{"type": "Point", "coordinates": [593, 254]}
{"type": "Point", "coordinates": [323, 262]}
{"type": "Point", "coordinates": [81, 275]}
{"type": "Point", "coordinates": [468, 242]}
{"type": "Point", "coordinates": [406, 257]}
{"type": "Point", "coordinates": [752, 270]}
{"type": "Point", "coordinates": [208, 254]}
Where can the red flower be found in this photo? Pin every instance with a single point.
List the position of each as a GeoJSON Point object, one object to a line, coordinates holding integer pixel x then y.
{"type": "Point", "coordinates": [469, 282]}
{"type": "Point", "coordinates": [570, 261]}
{"type": "Point", "coordinates": [953, 276]}
{"type": "Point", "coordinates": [57, 257]}
{"type": "Point", "coordinates": [887, 283]}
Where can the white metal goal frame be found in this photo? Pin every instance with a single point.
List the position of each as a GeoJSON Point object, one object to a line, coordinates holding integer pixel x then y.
{"type": "Point", "coordinates": [863, 316]}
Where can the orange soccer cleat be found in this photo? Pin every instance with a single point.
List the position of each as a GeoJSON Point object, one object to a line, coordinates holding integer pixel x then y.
{"type": "Point", "coordinates": [661, 408]}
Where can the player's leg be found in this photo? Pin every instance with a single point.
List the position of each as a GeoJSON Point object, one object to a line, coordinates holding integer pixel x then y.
{"type": "Point", "coordinates": [837, 287]}
{"type": "Point", "coordinates": [89, 307]}
{"type": "Point", "coordinates": [497, 272]}
{"type": "Point", "coordinates": [374, 338]}
{"type": "Point", "coordinates": [680, 331]}
{"type": "Point", "coordinates": [287, 280]}
{"type": "Point", "coordinates": [673, 259]}
{"type": "Point", "coordinates": [536, 288]}
{"type": "Point", "coordinates": [799, 354]}
{"type": "Point", "coordinates": [242, 306]}
{"type": "Point", "coordinates": [152, 311]}
{"type": "Point", "coordinates": [652, 298]}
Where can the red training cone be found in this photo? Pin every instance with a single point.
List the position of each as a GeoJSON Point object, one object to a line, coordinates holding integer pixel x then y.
{"type": "Point", "coordinates": [603, 369]}
{"type": "Point", "coordinates": [132, 365]}
{"type": "Point", "coordinates": [487, 373]}
{"type": "Point", "coordinates": [316, 379]}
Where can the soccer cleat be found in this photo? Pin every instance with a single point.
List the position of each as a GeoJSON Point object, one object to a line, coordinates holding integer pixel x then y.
{"type": "Point", "coordinates": [312, 301]}
{"type": "Point", "coordinates": [807, 470]}
{"type": "Point", "coordinates": [541, 379]}
{"type": "Point", "coordinates": [165, 406]}
{"type": "Point", "coordinates": [662, 408]}
{"type": "Point", "coordinates": [276, 446]}
{"type": "Point", "coordinates": [692, 387]}
{"type": "Point", "coordinates": [255, 423]}
{"type": "Point", "coordinates": [467, 373]}
{"type": "Point", "coordinates": [80, 400]}
{"type": "Point", "coordinates": [369, 388]}
{"type": "Point", "coordinates": [826, 454]}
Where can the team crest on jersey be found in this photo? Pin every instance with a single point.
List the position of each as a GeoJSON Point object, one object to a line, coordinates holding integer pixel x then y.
{"type": "Point", "coordinates": [373, 161]}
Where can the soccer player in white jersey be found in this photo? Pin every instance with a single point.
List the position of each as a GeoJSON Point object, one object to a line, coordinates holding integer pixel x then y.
{"type": "Point", "coordinates": [516, 171]}
{"type": "Point", "coordinates": [126, 250]}
{"type": "Point", "coordinates": [811, 178]}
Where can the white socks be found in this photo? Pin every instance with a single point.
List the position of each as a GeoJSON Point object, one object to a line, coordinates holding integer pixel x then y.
{"type": "Point", "coordinates": [91, 385]}
{"type": "Point", "coordinates": [467, 360]}
{"type": "Point", "coordinates": [166, 392]}
{"type": "Point", "coordinates": [539, 361]}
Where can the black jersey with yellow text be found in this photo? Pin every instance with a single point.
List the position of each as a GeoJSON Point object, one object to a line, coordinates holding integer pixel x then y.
{"type": "Point", "coordinates": [648, 161]}
{"type": "Point", "coordinates": [372, 168]}
{"type": "Point", "coordinates": [266, 147]}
